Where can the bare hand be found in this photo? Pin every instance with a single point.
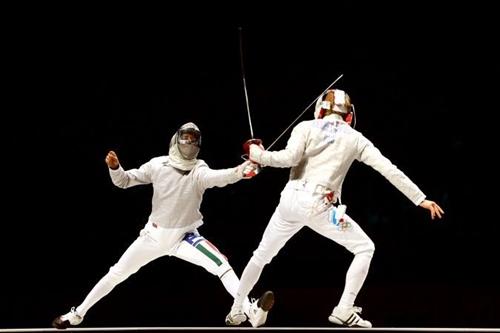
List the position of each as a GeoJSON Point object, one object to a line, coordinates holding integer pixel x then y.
{"type": "Point", "coordinates": [433, 208]}
{"type": "Point", "coordinates": [112, 160]}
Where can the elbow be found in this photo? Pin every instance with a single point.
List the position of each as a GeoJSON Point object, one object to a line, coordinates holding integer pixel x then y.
{"type": "Point", "coordinates": [121, 184]}
{"type": "Point", "coordinates": [287, 160]}
{"type": "Point", "coordinates": [296, 161]}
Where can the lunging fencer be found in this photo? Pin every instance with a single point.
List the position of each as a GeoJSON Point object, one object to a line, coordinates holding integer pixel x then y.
{"type": "Point", "coordinates": [179, 181]}
{"type": "Point", "coordinates": [320, 153]}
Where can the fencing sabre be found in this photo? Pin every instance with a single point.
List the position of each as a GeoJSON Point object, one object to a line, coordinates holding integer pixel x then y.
{"type": "Point", "coordinates": [245, 83]}
{"type": "Point", "coordinates": [251, 171]}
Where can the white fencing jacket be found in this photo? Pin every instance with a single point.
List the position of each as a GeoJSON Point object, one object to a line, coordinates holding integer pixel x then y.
{"type": "Point", "coordinates": [177, 195]}
{"type": "Point", "coordinates": [321, 152]}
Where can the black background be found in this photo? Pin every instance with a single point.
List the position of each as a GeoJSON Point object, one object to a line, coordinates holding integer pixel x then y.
{"type": "Point", "coordinates": [87, 80]}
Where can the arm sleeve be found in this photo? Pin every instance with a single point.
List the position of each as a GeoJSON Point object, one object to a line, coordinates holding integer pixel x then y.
{"type": "Point", "coordinates": [288, 157]}
{"type": "Point", "coordinates": [208, 178]}
{"type": "Point", "coordinates": [371, 156]}
{"type": "Point", "coordinates": [132, 177]}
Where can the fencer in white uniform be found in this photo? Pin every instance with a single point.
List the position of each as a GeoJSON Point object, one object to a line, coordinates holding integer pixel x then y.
{"type": "Point", "coordinates": [179, 181]}
{"type": "Point", "coordinates": [320, 152]}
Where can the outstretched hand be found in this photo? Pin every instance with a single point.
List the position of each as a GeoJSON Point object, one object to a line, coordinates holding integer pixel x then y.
{"type": "Point", "coordinates": [112, 160]}
{"type": "Point", "coordinates": [433, 208]}
{"type": "Point", "coordinates": [248, 169]}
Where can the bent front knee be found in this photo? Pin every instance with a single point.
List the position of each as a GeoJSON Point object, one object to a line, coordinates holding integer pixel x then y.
{"type": "Point", "coordinates": [221, 270]}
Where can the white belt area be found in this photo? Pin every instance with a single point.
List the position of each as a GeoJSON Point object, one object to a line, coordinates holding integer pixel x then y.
{"type": "Point", "coordinates": [304, 185]}
{"type": "Point", "coordinates": [323, 191]}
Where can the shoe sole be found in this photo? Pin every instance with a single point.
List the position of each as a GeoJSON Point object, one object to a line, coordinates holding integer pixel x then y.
{"type": "Point", "coordinates": [266, 301]}
{"type": "Point", "coordinates": [237, 320]}
{"type": "Point", "coordinates": [338, 321]}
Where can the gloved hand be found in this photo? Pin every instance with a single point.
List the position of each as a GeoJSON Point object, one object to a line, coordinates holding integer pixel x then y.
{"type": "Point", "coordinates": [246, 145]}
{"type": "Point", "coordinates": [246, 149]}
{"type": "Point", "coordinates": [248, 169]}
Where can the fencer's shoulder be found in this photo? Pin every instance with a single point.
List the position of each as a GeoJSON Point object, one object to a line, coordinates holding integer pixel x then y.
{"type": "Point", "coordinates": [306, 122]}
{"type": "Point", "coordinates": [201, 164]}
{"type": "Point", "coordinates": [304, 125]}
{"type": "Point", "coordinates": [199, 168]}
{"type": "Point", "coordinates": [159, 159]}
{"type": "Point", "coordinates": [354, 131]}
{"type": "Point", "coordinates": [358, 133]}
{"type": "Point", "coordinates": [363, 140]}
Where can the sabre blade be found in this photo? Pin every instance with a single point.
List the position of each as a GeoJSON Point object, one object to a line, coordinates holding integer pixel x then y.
{"type": "Point", "coordinates": [245, 83]}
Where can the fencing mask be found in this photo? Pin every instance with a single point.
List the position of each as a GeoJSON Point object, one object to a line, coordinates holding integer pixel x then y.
{"type": "Point", "coordinates": [185, 146]}
{"type": "Point", "coordinates": [334, 101]}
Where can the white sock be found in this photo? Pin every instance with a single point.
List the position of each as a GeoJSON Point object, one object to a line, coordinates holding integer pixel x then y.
{"type": "Point", "coordinates": [355, 277]}
{"type": "Point", "coordinates": [249, 278]}
{"type": "Point", "coordinates": [231, 283]}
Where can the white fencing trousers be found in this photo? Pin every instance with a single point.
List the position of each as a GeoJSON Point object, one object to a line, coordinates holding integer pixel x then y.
{"type": "Point", "coordinates": [299, 207]}
{"type": "Point", "coordinates": [154, 242]}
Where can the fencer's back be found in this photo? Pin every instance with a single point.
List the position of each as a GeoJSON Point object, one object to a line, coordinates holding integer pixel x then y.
{"type": "Point", "coordinates": [331, 146]}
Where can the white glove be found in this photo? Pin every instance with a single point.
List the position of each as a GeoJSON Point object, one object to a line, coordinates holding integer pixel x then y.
{"type": "Point", "coordinates": [248, 169]}
{"type": "Point", "coordinates": [255, 151]}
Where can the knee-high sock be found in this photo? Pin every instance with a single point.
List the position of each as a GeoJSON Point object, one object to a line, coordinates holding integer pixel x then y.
{"type": "Point", "coordinates": [231, 283]}
{"type": "Point", "coordinates": [250, 276]}
{"type": "Point", "coordinates": [101, 289]}
{"type": "Point", "coordinates": [355, 277]}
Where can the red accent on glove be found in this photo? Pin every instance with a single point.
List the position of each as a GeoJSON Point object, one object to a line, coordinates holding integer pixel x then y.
{"type": "Point", "coordinates": [253, 172]}
{"type": "Point", "coordinates": [246, 145]}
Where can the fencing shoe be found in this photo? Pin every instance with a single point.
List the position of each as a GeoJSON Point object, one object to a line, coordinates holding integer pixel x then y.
{"type": "Point", "coordinates": [235, 317]}
{"type": "Point", "coordinates": [71, 318]}
{"type": "Point", "coordinates": [257, 315]}
{"type": "Point", "coordinates": [348, 317]}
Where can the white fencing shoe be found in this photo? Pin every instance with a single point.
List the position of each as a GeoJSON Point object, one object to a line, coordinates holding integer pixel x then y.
{"type": "Point", "coordinates": [259, 309]}
{"type": "Point", "coordinates": [71, 318]}
{"type": "Point", "coordinates": [348, 317]}
{"type": "Point", "coordinates": [235, 317]}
